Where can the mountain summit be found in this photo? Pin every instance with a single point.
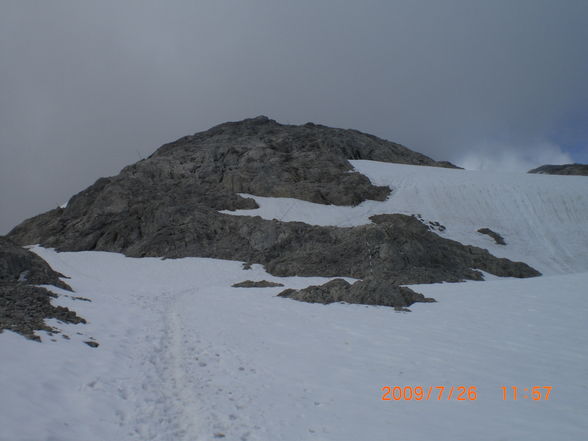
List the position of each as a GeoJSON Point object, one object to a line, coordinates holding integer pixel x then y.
{"type": "Point", "coordinates": [168, 205]}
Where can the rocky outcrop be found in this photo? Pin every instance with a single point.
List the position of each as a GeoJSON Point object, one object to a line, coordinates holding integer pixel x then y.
{"type": "Point", "coordinates": [566, 169]}
{"type": "Point", "coordinates": [396, 247]}
{"type": "Point", "coordinates": [256, 284]}
{"type": "Point", "coordinates": [168, 205]}
{"type": "Point", "coordinates": [259, 156]}
{"type": "Point", "coordinates": [18, 265]}
{"type": "Point", "coordinates": [365, 292]}
{"type": "Point", "coordinates": [23, 307]}
{"type": "Point", "coordinates": [493, 234]}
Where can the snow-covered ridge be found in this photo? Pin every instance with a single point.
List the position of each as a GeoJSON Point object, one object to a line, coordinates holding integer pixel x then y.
{"type": "Point", "coordinates": [544, 219]}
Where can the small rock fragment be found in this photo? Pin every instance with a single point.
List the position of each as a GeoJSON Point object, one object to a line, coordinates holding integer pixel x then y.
{"type": "Point", "coordinates": [258, 284]}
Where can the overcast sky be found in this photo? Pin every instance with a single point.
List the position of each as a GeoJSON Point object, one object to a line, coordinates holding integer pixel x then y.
{"type": "Point", "coordinates": [88, 87]}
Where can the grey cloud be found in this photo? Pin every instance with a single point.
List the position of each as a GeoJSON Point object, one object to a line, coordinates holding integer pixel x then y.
{"type": "Point", "coordinates": [88, 87]}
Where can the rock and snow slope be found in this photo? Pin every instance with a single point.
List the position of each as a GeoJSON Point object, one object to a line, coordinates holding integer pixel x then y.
{"type": "Point", "coordinates": [168, 206]}
{"type": "Point", "coordinates": [184, 356]}
{"type": "Point", "coordinates": [544, 219]}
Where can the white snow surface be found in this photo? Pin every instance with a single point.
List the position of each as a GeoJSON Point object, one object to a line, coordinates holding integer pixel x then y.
{"type": "Point", "coordinates": [543, 218]}
{"type": "Point", "coordinates": [184, 356]}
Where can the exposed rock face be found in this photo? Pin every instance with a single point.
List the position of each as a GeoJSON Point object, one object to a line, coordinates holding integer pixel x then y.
{"type": "Point", "coordinates": [397, 247]}
{"type": "Point", "coordinates": [493, 234]}
{"type": "Point", "coordinates": [254, 284]}
{"type": "Point", "coordinates": [365, 292]}
{"type": "Point", "coordinates": [167, 205]}
{"type": "Point", "coordinates": [261, 157]}
{"type": "Point", "coordinates": [23, 307]}
{"type": "Point", "coordinates": [22, 266]}
{"type": "Point", "coordinates": [566, 169]}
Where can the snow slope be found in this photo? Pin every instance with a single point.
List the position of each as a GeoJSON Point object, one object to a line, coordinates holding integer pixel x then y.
{"type": "Point", "coordinates": [183, 356]}
{"type": "Point", "coordinates": [543, 218]}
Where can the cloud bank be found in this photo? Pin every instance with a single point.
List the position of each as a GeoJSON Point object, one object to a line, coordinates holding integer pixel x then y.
{"type": "Point", "coordinates": [88, 87]}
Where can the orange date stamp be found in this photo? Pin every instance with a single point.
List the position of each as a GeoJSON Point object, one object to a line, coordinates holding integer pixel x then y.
{"type": "Point", "coordinates": [460, 393]}
{"type": "Point", "coordinates": [418, 393]}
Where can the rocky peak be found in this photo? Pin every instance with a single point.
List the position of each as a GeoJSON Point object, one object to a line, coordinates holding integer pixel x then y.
{"type": "Point", "coordinates": [565, 169]}
{"type": "Point", "coordinates": [168, 205]}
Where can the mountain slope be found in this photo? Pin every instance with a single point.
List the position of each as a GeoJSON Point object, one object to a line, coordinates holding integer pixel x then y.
{"type": "Point", "coordinates": [168, 205]}
{"type": "Point", "coordinates": [565, 169]}
{"type": "Point", "coordinates": [184, 356]}
{"type": "Point", "coordinates": [544, 219]}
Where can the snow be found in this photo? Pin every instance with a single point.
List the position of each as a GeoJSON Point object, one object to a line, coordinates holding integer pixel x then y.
{"type": "Point", "coordinates": [184, 356]}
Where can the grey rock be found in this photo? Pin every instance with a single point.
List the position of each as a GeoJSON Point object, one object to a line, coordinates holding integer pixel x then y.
{"type": "Point", "coordinates": [566, 169]}
{"type": "Point", "coordinates": [256, 284]}
{"type": "Point", "coordinates": [23, 308]}
{"type": "Point", "coordinates": [20, 265]}
{"type": "Point", "coordinates": [365, 292]}
{"type": "Point", "coordinates": [400, 248]}
{"type": "Point", "coordinates": [447, 164]}
{"type": "Point", "coordinates": [494, 235]}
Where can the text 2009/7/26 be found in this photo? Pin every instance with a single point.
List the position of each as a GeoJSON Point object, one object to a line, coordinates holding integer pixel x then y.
{"type": "Point", "coordinates": [460, 393]}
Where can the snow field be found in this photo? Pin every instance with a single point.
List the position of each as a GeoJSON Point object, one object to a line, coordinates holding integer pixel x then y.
{"type": "Point", "coordinates": [183, 356]}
